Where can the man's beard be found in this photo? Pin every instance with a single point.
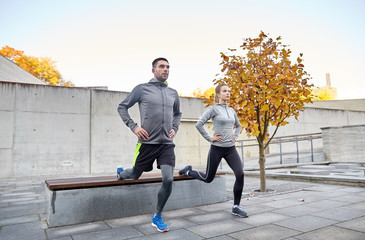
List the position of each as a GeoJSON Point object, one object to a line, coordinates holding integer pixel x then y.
{"type": "Point", "coordinates": [161, 79]}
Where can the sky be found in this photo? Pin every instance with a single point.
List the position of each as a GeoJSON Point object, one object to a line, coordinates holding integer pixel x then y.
{"type": "Point", "coordinates": [113, 42]}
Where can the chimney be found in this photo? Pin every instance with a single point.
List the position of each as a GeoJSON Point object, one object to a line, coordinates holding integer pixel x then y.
{"type": "Point", "coordinates": [328, 80]}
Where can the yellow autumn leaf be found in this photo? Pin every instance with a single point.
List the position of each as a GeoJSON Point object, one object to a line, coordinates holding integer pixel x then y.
{"type": "Point", "coordinates": [265, 107]}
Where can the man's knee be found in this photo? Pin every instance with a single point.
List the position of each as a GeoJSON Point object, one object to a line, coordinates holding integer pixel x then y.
{"type": "Point", "coordinates": [135, 173]}
{"type": "Point", "coordinates": [168, 179]}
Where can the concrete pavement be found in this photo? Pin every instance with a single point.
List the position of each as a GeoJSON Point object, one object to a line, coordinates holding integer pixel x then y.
{"type": "Point", "coordinates": [292, 210]}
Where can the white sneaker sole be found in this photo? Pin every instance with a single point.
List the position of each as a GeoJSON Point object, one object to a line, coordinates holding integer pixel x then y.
{"type": "Point", "coordinates": [154, 225]}
{"type": "Point", "coordinates": [236, 214]}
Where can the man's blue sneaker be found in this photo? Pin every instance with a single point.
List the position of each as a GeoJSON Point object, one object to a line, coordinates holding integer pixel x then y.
{"type": "Point", "coordinates": [119, 170]}
{"type": "Point", "coordinates": [158, 223]}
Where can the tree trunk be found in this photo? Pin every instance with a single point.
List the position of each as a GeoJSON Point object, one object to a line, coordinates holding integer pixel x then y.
{"type": "Point", "coordinates": [262, 161]}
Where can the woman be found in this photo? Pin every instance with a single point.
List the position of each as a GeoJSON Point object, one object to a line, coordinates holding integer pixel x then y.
{"type": "Point", "coordinates": [222, 145]}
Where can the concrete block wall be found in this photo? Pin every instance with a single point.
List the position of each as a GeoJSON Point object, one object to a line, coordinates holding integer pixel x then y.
{"type": "Point", "coordinates": [7, 97]}
{"type": "Point", "coordinates": [56, 130]}
{"type": "Point", "coordinates": [112, 143]}
{"type": "Point", "coordinates": [344, 144]}
{"type": "Point", "coordinates": [46, 130]}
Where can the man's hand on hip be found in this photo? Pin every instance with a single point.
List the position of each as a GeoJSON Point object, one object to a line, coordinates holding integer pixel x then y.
{"type": "Point", "coordinates": [141, 133]}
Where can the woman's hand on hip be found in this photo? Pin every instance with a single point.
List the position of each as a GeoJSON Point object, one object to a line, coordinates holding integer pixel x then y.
{"type": "Point", "coordinates": [216, 138]}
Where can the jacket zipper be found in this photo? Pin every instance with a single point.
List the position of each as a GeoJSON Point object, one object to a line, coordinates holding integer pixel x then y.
{"type": "Point", "coordinates": [225, 107]}
{"type": "Point", "coordinates": [163, 112]}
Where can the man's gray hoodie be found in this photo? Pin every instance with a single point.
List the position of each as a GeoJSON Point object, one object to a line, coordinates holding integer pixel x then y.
{"type": "Point", "coordinates": [159, 108]}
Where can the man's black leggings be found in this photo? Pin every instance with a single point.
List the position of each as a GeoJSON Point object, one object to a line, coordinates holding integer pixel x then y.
{"type": "Point", "coordinates": [233, 160]}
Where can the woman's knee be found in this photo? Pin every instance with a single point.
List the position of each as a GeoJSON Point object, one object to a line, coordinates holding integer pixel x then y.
{"type": "Point", "coordinates": [209, 180]}
{"type": "Point", "coordinates": [240, 175]}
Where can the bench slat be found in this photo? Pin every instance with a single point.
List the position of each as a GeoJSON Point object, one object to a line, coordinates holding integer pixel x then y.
{"type": "Point", "coordinates": [87, 182]}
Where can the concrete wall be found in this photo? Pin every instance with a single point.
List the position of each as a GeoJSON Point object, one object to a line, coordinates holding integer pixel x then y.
{"type": "Point", "coordinates": [44, 129]}
{"type": "Point", "coordinates": [56, 130]}
{"type": "Point", "coordinates": [344, 144]}
{"type": "Point", "coordinates": [348, 104]}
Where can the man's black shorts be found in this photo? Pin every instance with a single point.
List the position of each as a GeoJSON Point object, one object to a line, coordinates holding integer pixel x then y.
{"type": "Point", "coordinates": [146, 154]}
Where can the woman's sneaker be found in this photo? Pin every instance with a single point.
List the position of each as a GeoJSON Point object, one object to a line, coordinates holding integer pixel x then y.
{"type": "Point", "coordinates": [119, 170]}
{"type": "Point", "coordinates": [158, 223]}
{"type": "Point", "coordinates": [238, 211]}
{"type": "Point", "coordinates": [185, 170]}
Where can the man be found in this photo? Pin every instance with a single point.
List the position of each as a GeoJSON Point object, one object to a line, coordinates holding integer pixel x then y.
{"type": "Point", "coordinates": [159, 108]}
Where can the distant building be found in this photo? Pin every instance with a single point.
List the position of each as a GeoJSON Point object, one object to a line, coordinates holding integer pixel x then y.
{"type": "Point", "coordinates": [10, 72]}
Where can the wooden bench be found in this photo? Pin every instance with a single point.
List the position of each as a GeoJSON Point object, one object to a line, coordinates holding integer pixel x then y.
{"type": "Point", "coordinates": [88, 199]}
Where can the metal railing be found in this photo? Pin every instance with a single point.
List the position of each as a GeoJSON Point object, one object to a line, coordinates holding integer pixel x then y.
{"type": "Point", "coordinates": [242, 144]}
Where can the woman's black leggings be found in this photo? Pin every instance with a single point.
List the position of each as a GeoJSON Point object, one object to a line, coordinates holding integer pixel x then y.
{"type": "Point", "coordinates": [233, 160]}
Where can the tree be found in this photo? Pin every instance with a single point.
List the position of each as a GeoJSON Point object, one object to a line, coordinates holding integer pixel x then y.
{"type": "Point", "coordinates": [198, 93]}
{"type": "Point", "coordinates": [324, 93]}
{"type": "Point", "coordinates": [42, 68]}
{"type": "Point", "coordinates": [266, 88]}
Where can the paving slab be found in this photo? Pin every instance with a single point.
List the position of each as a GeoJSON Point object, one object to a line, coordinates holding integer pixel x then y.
{"type": "Point", "coordinates": [216, 207]}
{"type": "Point", "coordinates": [353, 190]}
{"type": "Point", "coordinates": [182, 213]}
{"type": "Point", "coordinates": [21, 210]}
{"type": "Point", "coordinates": [218, 228]}
{"type": "Point", "coordinates": [266, 232]}
{"type": "Point", "coordinates": [211, 217]}
{"type": "Point", "coordinates": [221, 238]}
{"type": "Point", "coordinates": [4, 204]}
{"type": "Point", "coordinates": [18, 220]}
{"type": "Point", "coordinates": [174, 224]}
{"type": "Point", "coordinates": [357, 224]}
{"type": "Point", "coordinates": [254, 201]}
{"type": "Point", "coordinates": [129, 221]}
{"type": "Point", "coordinates": [333, 233]}
{"type": "Point", "coordinates": [31, 230]}
{"type": "Point", "coordinates": [35, 202]}
{"type": "Point", "coordinates": [340, 214]}
{"type": "Point", "coordinates": [180, 234]}
{"type": "Point", "coordinates": [22, 194]}
{"type": "Point", "coordinates": [116, 233]}
{"type": "Point", "coordinates": [62, 238]}
{"type": "Point", "coordinates": [333, 193]}
{"type": "Point", "coordinates": [356, 206]}
{"type": "Point", "coordinates": [19, 199]}
{"type": "Point", "coordinates": [76, 229]}
{"type": "Point", "coordinates": [297, 211]}
{"type": "Point", "coordinates": [288, 202]}
{"type": "Point", "coordinates": [326, 204]}
{"type": "Point", "coordinates": [350, 198]}
{"type": "Point", "coordinates": [254, 209]}
{"type": "Point", "coordinates": [305, 223]}
{"type": "Point", "coordinates": [264, 218]}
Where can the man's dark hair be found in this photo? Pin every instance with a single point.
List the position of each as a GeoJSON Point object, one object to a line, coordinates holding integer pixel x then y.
{"type": "Point", "coordinates": [158, 59]}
